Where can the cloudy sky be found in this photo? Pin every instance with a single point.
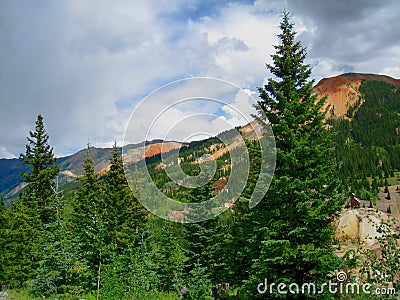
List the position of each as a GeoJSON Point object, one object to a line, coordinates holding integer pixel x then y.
{"type": "Point", "coordinates": [85, 65]}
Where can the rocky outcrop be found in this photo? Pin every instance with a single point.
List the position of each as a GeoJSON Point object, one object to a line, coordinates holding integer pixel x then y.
{"type": "Point", "coordinates": [159, 148]}
{"type": "Point", "coordinates": [343, 91]}
{"type": "Point", "coordinates": [348, 227]}
{"type": "Point", "coordinates": [369, 229]}
{"type": "Point", "coordinates": [365, 226]}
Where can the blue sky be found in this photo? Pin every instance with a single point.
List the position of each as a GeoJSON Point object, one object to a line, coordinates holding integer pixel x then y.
{"type": "Point", "coordinates": [85, 65]}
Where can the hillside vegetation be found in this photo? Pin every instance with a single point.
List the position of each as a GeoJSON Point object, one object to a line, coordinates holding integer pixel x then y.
{"type": "Point", "coordinates": [92, 238]}
{"type": "Point", "coordinates": [367, 137]}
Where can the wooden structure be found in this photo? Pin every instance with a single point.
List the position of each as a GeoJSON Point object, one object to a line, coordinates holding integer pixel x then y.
{"type": "Point", "coordinates": [353, 202]}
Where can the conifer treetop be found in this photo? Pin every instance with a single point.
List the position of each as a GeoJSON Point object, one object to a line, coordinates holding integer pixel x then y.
{"type": "Point", "coordinates": [287, 100]}
{"type": "Point", "coordinates": [38, 153]}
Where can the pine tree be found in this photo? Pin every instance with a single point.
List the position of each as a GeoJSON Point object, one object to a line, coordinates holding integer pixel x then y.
{"type": "Point", "coordinates": [88, 221]}
{"type": "Point", "coordinates": [165, 243]}
{"type": "Point", "coordinates": [107, 219]}
{"type": "Point", "coordinates": [26, 218]}
{"type": "Point", "coordinates": [60, 266]}
{"type": "Point", "coordinates": [237, 237]}
{"type": "Point", "coordinates": [19, 238]}
{"type": "Point", "coordinates": [2, 211]}
{"type": "Point", "coordinates": [124, 221]}
{"type": "Point", "coordinates": [125, 215]}
{"type": "Point", "coordinates": [39, 155]}
{"type": "Point", "coordinates": [204, 239]}
{"type": "Point", "coordinates": [294, 220]}
{"type": "Point", "coordinates": [3, 225]}
{"type": "Point", "coordinates": [198, 234]}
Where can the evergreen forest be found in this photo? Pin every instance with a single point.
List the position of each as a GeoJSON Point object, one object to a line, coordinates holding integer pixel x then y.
{"type": "Point", "coordinates": [93, 239]}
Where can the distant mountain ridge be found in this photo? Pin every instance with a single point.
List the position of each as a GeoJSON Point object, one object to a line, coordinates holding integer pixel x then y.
{"type": "Point", "coordinates": [343, 91]}
{"type": "Point", "coordinates": [71, 166]}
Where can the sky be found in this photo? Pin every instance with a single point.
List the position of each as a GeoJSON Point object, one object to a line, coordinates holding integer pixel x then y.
{"type": "Point", "coordinates": [87, 66]}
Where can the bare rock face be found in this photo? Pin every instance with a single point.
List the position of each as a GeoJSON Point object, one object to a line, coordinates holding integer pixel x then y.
{"type": "Point", "coordinates": [348, 227]}
{"type": "Point", "coordinates": [343, 91]}
{"type": "Point", "coordinates": [369, 229]}
{"type": "Point", "coordinates": [159, 148]}
{"type": "Point", "coordinates": [361, 225]}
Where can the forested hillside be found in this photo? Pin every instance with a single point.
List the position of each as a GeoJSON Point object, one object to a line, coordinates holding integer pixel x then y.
{"type": "Point", "coordinates": [367, 137]}
{"type": "Point", "coordinates": [94, 239]}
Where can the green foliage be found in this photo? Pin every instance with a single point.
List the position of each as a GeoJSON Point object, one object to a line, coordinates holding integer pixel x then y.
{"type": "Point", "coordinates": [198, 285]}
{"type": "Point", "coordinates": [87, 222]}
{"type": "Point", "coordinates": [106, 220]}
{"type": "Point", "coordinates": [124, 215]}
{"type": "Point", "coordinates": [2, 204]}
{"type": "Point", "coordinates": [294, 220]}
{"type": "Point", "coordinates": [368, 143]}
{"type": "Point", "coordinates": [380, 268]}
{"type": "Point", "coordinates": [378, 115]}
{"type": "Point", "coordinates": [23, 223]}
{"type": "Point", "coordinates": [39, 156]}
{"type": "Point", "coordinates": [200, 237]}
{"type": "Point", "coordinates": [60, 268]}
{"type": "Point", "coordinates": [130, 276]}
{"type": "Point", "coordinates": [166, 241]}
{"type": "Point", "coordinates": [19, 237]}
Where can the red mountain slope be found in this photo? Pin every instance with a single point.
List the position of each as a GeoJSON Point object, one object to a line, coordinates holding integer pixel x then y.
{"type": "Point", "coordinates": [343, 90]}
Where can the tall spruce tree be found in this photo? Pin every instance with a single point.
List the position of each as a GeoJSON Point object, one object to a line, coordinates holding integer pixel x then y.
{"type": "Point", "coordinates": [24, 221]}
{"type": "Point", "coordinates": [88, 221]}
{"type": "Point", "coordinates": [204, 249]}
{"type": "Point", "coordinates": [19, 237]}
{"type": "Point", "coordinates": [39, 155]}
{"type": "Point", "coordinates": [125, 215]}
{"type": "Point", "coordinates": [293, 223]}
{"type": "Point", "coordinates": [60, 268]}
{"type": "Point", "coordinates": [3, 224]}
{"type": "Point", "coordinates": [2, 211]}
{"type": "Point", "coordinates": [106, 217]}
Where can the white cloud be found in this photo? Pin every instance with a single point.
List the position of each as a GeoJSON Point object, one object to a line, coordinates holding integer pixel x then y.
{"type": "Point", "coordinates": [392, 70]}
{"type": "Point", "coordinates": [358, 36]}
{"type": "Point", "coordinates": [245, 25]}
{"type": "Point", "coordinates": [180, 109]}
{"type": "Point", "coordinates": [85, 65]}
{"type": "Point", "coordinates": [240, 111]}
{"type": "Point", "coordinates": [74, 62]}
{"type": "Point", "coordinates": [5, 154]}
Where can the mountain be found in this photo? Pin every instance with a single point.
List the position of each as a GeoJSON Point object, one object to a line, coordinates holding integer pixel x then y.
{"type": "Point", "coordinates": [365, 115]}
{"type": "Point", "coordinates": [343, 91]}
{"type": "Point", "coordinates": [346, 94]}
{"type": "Point", "coordinates": [71, 166]}
{"type": "Point", "coordinates": [10, 174]}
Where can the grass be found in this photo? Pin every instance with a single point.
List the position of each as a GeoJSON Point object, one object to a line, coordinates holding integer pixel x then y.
{"type": "Point", "coordinates": [25, 295]}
